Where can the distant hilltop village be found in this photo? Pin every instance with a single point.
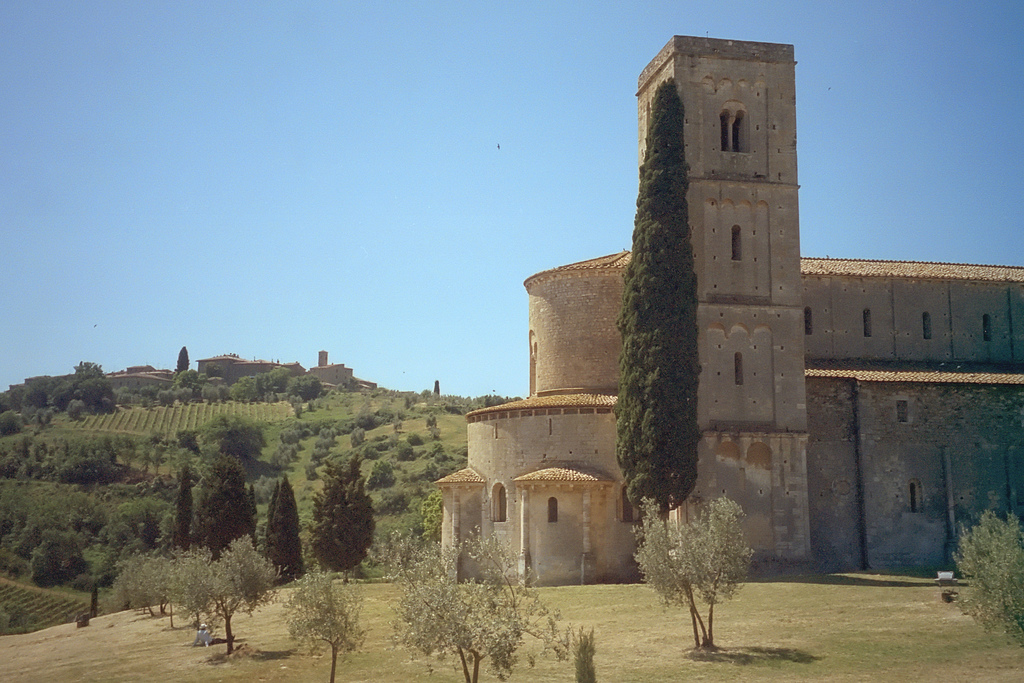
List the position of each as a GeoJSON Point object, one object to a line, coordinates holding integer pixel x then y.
{"type": "Point", "coordinates": [229, 368]}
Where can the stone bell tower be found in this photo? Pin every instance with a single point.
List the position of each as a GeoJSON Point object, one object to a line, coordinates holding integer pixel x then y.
{"type": "Point", "coordinates": [739, 104]}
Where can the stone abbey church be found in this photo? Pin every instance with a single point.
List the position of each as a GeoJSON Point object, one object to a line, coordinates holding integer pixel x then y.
{"type": "Point", "coordinates": [859, 411]}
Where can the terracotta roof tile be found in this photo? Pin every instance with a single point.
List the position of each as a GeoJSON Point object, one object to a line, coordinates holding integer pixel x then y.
{"type": "Point", "coordinates": [838, 266]}
{"type": "Point", "coordinates": [932, 377]}
{"type": "Point", "coordinates": [563, 474]}
{"type": "Point", "coordinates": [464, 476]}
{"type": "Point", "coordinates": [911, 269]}
{"type": "Point", "coordinates": [554, 401]}
{"type": "Point", "coordinates": [612, 262]}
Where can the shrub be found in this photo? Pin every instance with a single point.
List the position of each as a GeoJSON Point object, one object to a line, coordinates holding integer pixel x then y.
{"type": "Point", "coordinates": [10, 423]}
{"type": "Point", "coordinates": [991, 555]}
{"type": "Point", "coordinates": [404, 452]}
{"type": "Point", "coordinates": [583, 656]}
{"type": "Point", "coordinates": [58, 559]}
{"type": "Point", "coordinates": [382, 476]}
{"type": "Point", "coordinates": [392, 502]}
{"type": "Point", "coordinates": [75, 409]}
{"type": "Point", "coordinates": [414, 439]}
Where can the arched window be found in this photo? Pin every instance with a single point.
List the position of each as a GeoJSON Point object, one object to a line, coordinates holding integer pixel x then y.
{"type": "Point", "coordinates": [627, 507]}
{"type": "Point", "coordinates": [500, 501]}
{"type": "Point", "coordinates": [986, 327]}
{"type": "Point", "coordinates": [926, 325]}
{"type": "Point", "coordinates": [737, 243]}
{"type": "Point", "coordinates": [808, 321]}
{"type": "Point", "coordinates": [732, 124]}
{"type": "Point", "coordinates": [552, 510]}
{"type": "Point", "coordinates": [915, 495]}
{"type": "Point", "coordinates": [737, 361]}
{"type": "Point", "coordinates": [867, 322]}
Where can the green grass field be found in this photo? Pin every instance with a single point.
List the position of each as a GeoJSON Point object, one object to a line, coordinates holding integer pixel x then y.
{"type": "Point", "coordinates": [852, 627]}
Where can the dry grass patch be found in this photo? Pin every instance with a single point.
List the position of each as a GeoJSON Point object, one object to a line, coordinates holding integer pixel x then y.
{"type": "Point", "coordinates": [839, 628]}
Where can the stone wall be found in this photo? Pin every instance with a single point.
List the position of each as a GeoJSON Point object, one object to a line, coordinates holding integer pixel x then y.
{"type": "Point", "coordinates": [966, 321]}
{"type": "Point", "coordinates": [574, 341]}
{"type": "Point", "coordinates": [508, 446]}
{"type": "Point", "coordinates": [923, 468]}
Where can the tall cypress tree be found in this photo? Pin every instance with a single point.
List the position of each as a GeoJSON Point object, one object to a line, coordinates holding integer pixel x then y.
{"type": "Point", "coordinates": [659, 368]}
{"type": "Point", "coordinates": [268, 531]}
{"type": "Point", "coordinates": [284, 548]}
{"type": "Point", "coordinates": [225, 510]}
{"type": "Point", "coordinates": [182, 537]}
{"type": "Point", "coordinates": [250, 500]}
{"type": "Point", "coordinates": [183, 363]}
{"type": "Point", "coordinates": [342, 528]}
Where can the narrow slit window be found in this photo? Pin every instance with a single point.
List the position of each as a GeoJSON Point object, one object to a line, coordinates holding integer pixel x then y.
{"type": "Point", "coordinates": [552, 510]}
{"type": "Point", "coordinates": [723, 119]}
{"type": "Point", "coordinates": [986, 327]}
{"type": "Point", "coordinates": [737, 361]}
{"type": "Point", "coordinates": [902, 411]}
{"type": "Point", "coordinates": [915, 495]}
{"type": "Point", "coordinates": [926, 325]}
{"type": "Point", "coordinates": [737, 243]}
{"type": "Point", "coordinates": [738, 143]}
{"type": "Point", "coordinates": [867, 322]}
{"type": "Point", "coordinates": [500, 503]}
{"type": "Point", "coordinates": [808, 321]}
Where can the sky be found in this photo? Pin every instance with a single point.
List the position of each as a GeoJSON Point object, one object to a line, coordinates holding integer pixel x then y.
{"type": "Point", "coordinates": [378, 179]}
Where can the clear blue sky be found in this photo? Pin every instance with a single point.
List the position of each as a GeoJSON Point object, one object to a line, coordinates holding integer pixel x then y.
{"type": "Point", "coordinates": [272, 179]}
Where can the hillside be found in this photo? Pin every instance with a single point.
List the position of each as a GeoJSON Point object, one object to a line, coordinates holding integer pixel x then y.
{"type": "Point", "coordinates": [100, 488]}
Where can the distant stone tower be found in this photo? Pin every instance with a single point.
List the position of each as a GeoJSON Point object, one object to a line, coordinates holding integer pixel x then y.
{"type": "Point", "coordinates": [739, 102]}
{"type": "Point", "coordinates": [322, 360]}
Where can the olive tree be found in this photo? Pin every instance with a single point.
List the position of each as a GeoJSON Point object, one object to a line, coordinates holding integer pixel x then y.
{"type": "Point", "coordinates": [240, 581]}
{"type": "Point", "coordinates": [321, 610]}
{"type": "Point", "coordinates": [707, 558]}
{"type": "Point", "coordinates": [991, 556]}
{"type": "Point", "coordinates": [484, 619]}
{"type": "Point", "coordinates": [143, 581]}
{"type": "Point", "coordinates": [191, 581]}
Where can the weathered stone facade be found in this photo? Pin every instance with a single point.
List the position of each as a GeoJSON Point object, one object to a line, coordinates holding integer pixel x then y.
{"type": "Point", "coordinates": [858, 411]}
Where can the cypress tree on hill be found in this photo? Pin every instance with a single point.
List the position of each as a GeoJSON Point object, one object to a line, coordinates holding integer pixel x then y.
{"type": "Point", "coordinates": [183, 362]}
{"type": "Point", "coordinates": [225, 510]}
{"type": "Point", "coordinates": [659, 368]}
{"type": "Point", "coordinates": [267, 531]}
{"type": "Point", "coordinates": [284, 548]}
{"type": "Point", "coordinates": [343, 525]}
{"type": "Point", "coordinates": [182, 537]}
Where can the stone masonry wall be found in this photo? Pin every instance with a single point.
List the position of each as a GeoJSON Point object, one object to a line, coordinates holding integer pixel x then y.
{"type": "Point", "coordinates": [574, 342]}
{"type": "Point", "coordinates": [948, 453]}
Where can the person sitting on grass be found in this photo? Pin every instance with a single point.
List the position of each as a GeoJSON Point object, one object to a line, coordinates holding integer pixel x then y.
{"type": "Point", "coordinates": [202, 636]}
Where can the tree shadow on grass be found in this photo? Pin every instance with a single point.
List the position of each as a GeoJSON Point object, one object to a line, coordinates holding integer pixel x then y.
{"type": "Point", "coordinates": [744, 656]}
{"type": "Point", "coordinates": [868, 580]}
{"type": "Point", "coordinates": [243, 651]}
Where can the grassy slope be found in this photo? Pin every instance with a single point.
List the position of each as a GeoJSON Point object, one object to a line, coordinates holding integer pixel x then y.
{"type": "Point", "coordinates": [840, 628]}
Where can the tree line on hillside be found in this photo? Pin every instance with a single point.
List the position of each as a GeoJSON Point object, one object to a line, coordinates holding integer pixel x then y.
{"type": "Point", "coordinates": [123, 465]}
{"type": "Point", "coordinates": [215, 542]}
